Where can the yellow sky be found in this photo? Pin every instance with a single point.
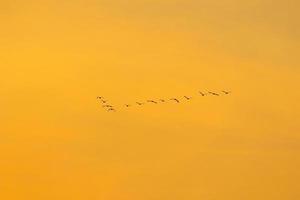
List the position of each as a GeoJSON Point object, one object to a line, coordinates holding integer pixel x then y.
{"type": "Point", "coordinates": [56, 142]}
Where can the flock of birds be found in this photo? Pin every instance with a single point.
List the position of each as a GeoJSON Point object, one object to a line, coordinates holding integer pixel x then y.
{"type": "Point", "coordinates": [110, 108]}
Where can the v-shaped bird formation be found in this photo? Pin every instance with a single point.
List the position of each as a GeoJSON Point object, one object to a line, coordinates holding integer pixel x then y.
{"type": "Point", "coordinates": [111, 108]}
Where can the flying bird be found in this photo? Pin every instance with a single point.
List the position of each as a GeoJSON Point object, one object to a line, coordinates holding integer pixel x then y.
{"type": "Point", "coordinates": [226, 92]}
{"type": "Point", "coordinates": [213, 93]}
{"type": "Point", "coordinates": [111, 109]}
{"type": "Point", "coordinates": [127, 105]}
{"type": "Point", "coordinates": [103, 101]}
{"type": "Point", "coordinates": [201, 93]}
{"type": "Point", "coordinates": [99, 97]}
{"type": "Point", "coordinates": [151, 101]}
{"type": "Point", "coordinates": [138, 103]}
{"type": "Point", "coordinates": [187, 98]}
{"type": "Point", "coordinates": [174, 99]}
{"type": "Point", "coordinates": [162, 100]}
{"type": "Point", "coordinates": [108, 106]}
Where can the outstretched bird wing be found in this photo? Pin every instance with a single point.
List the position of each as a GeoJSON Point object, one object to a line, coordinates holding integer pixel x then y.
{"type": "Point", "coordinates": [226, 92]}
{"type": "Point", "coordinates": [213, 93]}
{"type": "Point", "coordinates": [151, 101]}
{"type": "Point", "coordinates": [174, 99]}
{"type": "Point", "coordinates": [202, 94]}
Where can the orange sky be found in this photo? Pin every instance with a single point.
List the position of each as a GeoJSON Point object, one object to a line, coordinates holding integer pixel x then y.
{"type": "Point", "coordinates": [56, 142]}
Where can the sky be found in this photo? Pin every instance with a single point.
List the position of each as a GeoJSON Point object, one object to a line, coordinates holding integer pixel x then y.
{"type": "Point", "coordinates": [57, 142]}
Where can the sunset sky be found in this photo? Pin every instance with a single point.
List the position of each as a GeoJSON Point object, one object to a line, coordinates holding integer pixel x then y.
{"type": "Point", "coordinates": [58, 143]}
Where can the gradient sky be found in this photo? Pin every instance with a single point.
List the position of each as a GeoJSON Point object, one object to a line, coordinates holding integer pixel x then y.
{"type": "Point", "coordinates": [56, 142]}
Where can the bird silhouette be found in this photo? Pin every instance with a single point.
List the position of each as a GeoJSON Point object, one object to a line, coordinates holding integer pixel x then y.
{"type": "Point", "coordinates": [108, 106]}
{"type": "Point", "coordinates": [127, 105]}
{"type": "Point", "coordinates": [187, 98]}
{"type": "Point", "coordinates": [162, 100]}
{"type": "Point", "coordinates": [111, 109]}
{"type": "Point", "coordinates": [202, 94]}
{"type": "Point", "coordinates": [99, 97]}
{"type": "Point", "coordinates": [174, 99]}
{"type": "Point", "coordinates": [151, 101]}
{"type": "Point", "coordinates": [138, 103]}
{"type": "Point", "coordinates": [226, 92]}
{"type": "Point", "coordinates": [103, 101]}
{"type": "Point", "coordinates": [213, 93]}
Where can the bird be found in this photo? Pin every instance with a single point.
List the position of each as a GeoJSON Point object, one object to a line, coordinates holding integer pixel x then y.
{"type": "Point", "coordinates": [162, 100]}
{"type": "Point", "coordinates": [127, 105]}
{"type": "Point", "coordinates": [99, 97]}
{"type": "Point", "coordinates": [213, 93]}
{"type": "Point", "coordinates": [187, 98]}
{"type": "Point", "coordinates": [202, 94]}
{"type": "Point", "coordinates": [103, 101]}
{"type": "Point", "coordinates": [138, 103]}
{"type": "Point", "coordinates": [108, 106]}
{"type": "Point", "coordinates": [174, 99]}
{"type": "Point", "coordinates": [151, 101]}
{"type": "Point", "coordinates": [111, 109]}
{"type": "Point", "coordinates": [226, 92]}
